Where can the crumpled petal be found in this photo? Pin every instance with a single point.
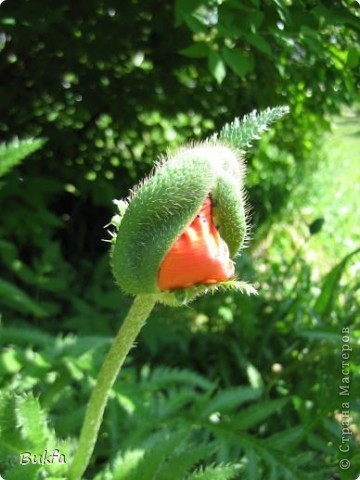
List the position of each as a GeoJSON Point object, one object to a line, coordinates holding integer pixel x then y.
{"type": "Point", "coordinates": [198, 256]}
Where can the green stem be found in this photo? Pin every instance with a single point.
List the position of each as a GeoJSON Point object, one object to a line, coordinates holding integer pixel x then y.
{"type": "Point", "coordinates": [134, 321]}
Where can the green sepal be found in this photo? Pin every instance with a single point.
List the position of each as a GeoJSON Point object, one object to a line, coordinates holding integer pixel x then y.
{"type": "Point", "coordinates": [157, 213]}
{"type": "Point", "coordinates": [182, 296]}
{"type": "Point", "coordinates": [240, 133]}
{"type": "Point", "coordinates": [229, 211]}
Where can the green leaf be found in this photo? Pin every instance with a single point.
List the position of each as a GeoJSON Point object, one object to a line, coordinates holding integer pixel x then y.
{"type": "Point", "coordinates": [255, 18]}
{"type": "Point", "coordinates": [229, 399]}
{"type": "Point", "coordinates": [252, 463]}
{"type": "Point", "coordinates": [57, 478]}
{"type": "Point", "coordinates": [283, 440]}
{"type": "Point", "coordinates": [20, 472]}
{"type": "Point", "coordinates": [156, 454]}
{"type": "Point", "coordinates": [353, 56]}
{"type": "Point", "coordinates": [10, 363]}
{"type": "Point", "coordinates": [195, 24]}
{"type": "Point", "coordinates": [321, 334]}
{"type": "Point", "coordinates": [197, 50]}
{"type": "Point", "coordinates": [19, 300]}
{"type": "Point", "coordinates": [24, 336]}
{"type": "Point", "coordinates": [11, 442]}
{"type": "Point", "coordinates": [259, 42]}
{"type": "Point", "coordinates": [219, 472]}
{"type": "Point", "coordinates": [164, 376]}
{"type": "Point", "coordinates": [251, 416]}
{"type": "Point", "coordinates": [240, 62]}
{"type": "Point", "coordinates": [15, 152]}
{"type": "Point", "coordinates": [184, 8]}
{"type": "Point", "coordinates": [217, 67]}
{"type": "Point", "coordinates": [180, 463]}
{"type": "Point", "coordinates": [123, 465]}
{"type": "Point", "coordinates": [330, 284]}
{"type": "Point", "coordinates": [335, 15]}
{"type": "Point", "coordinates": [32, 422]}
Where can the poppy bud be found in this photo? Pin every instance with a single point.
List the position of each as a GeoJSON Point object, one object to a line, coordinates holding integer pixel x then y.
{"type": "Point", "coordinates": [180, 229]}
{"type": "Point", "coordinates": [183, 223]}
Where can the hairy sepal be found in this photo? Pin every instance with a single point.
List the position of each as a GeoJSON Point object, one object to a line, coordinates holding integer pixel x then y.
{"type": "Point", "coordinates": [184, 296]}
{"type": "Point", "coordinates": [229, 205]}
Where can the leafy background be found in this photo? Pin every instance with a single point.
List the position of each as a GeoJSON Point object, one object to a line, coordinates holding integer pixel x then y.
{"type": "Point", "coordinates": [232, 387]}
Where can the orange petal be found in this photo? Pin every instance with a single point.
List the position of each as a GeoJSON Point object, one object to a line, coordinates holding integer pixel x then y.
{"type": "Point", "coordinates": [199, 255]}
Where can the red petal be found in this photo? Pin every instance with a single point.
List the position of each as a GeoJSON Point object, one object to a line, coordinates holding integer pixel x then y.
{"type": "Point", "coordinates": [199, 255]}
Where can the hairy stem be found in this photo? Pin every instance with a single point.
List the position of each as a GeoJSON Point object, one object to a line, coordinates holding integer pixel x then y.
{"type": "Point", "coordinates": [114, 360]}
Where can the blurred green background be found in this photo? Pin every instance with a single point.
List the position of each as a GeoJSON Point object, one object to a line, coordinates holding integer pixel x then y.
{"type": "Point", "coordinates": [231, 386]}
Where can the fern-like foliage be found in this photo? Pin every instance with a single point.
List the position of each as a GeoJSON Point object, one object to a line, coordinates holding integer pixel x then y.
{"type": "Point", "coordinates": [25, 428]}
{"type": "Point", "coordinates": [242, 132]}
{"type": "Point", "coordinates": [163, 456]}
{"type": "Point", "coordinates": [218, 472]}
{"type": "Point", "coordinates": [162, 423]}
{"type": "Point", "coordinates": [15, 152]}
{"type": "Point", "coordinates": [18, 299]}
{"type": "Point", "coordinates": [163, 377]}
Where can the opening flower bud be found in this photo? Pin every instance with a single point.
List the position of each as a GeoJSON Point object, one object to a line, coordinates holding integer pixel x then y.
{"type": "Point", "coordinates": [183, 224]}
{"type": "Point", "coordinates": [162, 245]}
